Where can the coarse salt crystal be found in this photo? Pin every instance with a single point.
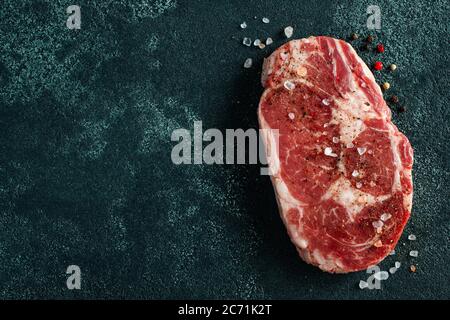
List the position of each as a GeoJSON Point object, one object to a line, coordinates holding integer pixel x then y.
{"type": "Point", "coordinates": [248, 63]}
{"type": "Point", "coordinates": [291, 116]}
{"type": "Point", "coordinates": [265, 20]}
{"type": "Point", "coordinates": [350, 145]}
{"type": "Point", "coordinates": [392, 253]}
{"type": "Point", "coordinates": [363, 84]}
{"type": "Point", "coordinates": [326, 102]}
{"type": "Point", "coordinates": [361, 150]}
{"type": "Point", "coordinates": [243, 25]}
{"type": "Point", "coordinates": [393, 270]}
{"type": "Point", "coordinates": [288, 31]}
{"type": "Point", "coordinates": [355, 173]}
{"type": "Point", "coordinates": [289, 85]}
{"type": "Point", "coordinates": [328, 151]}
{"type": "Point", "coordinates": [363, 284]}
{"type": "Point", "coordinates": [382, 275]}
{"type": "Point", "coordinates": [398, 264]}
{"type": "Point", "coordinates": [414, 253]}
{"type": "Point", "coordinates": [335, 140]}
{"type": "Point", "coordinates": [261, 45]}
{"type": "Point", "coordinates": [257, 42]}
{"type": "Point", "coordinates": [385, 216]}
{"type": "Point", "coordinates": [247, 42]}
{"type": "Point", "coordinates": [269, 41]}
{"type": "Point", "coordinates": [412, 237]}
{"type": "Point", "coordinates": [358, 185]}
{"type": "Point", "coordinates": [377, 224]}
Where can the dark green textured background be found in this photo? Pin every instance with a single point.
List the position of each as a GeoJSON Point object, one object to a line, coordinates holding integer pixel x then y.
{"type": "Point", "coordinates": [85, 171]}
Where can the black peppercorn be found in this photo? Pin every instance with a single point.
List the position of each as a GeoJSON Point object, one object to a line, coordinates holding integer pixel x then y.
{"type": "Point", "coordinates": [394, 99]}
{"type": "Point", "coordinates": [369, 39]}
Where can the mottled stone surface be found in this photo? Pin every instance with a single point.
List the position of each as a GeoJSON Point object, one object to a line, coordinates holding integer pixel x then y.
{"type": "Point", "coordinates": [85, 171]}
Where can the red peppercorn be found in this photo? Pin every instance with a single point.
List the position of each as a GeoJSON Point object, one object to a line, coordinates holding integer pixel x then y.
{"type": "Point", "coordinates": [380, 48]}
{"type": "Point", "coordinates": [378, 65]}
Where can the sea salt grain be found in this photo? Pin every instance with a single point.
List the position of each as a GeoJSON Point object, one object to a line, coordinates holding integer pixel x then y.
{"type": "Point", "coordinates": [385, 216]}
{"type": "Point", "coordinates": [377, 224]}
{"type": "Point", "coordinates": [289, 85]}
{"type": "Point", "coordinates": [247, 42]}
{"type": "Point", "coordinates": [392, 270]}
{"type": "Point", "coordinates": [326, 102]}
{"type": "Point", "coordinates": [358, 185]}
{"type": "Point", "coordinates": [398, 264]}
{"type": "Point", "coordinates": [291, 116]}
{"type": "Point", "coordinates": [382, 275]}
{"type": "Point", "coordinates": [288, 31]}
{"type": "Point", "coordinates": [328, 151]}
{"type": "Point", "coordinates": [414, 253]}
{"type": "Point", "coordinates": [335, 140]}
{"type": "Point", "coordinates": [257, 42]}
{"type": "Point", "coordinates": [363, 284]}
{"type": "Point", "coordinates": [350, 145]}
{"type": "Point", "coordinates": [243, 25]}
{"type": "Point", "coordinates": [248, 63]}
{"type": "Point", "coordinates": [269, 41]}
{"type": "Point", "coordinates": [361, 150]}
{"type": "Point", "coordinates": [355, 173]}
{"type": "Point", "coordinates": [412, 237]}
{"type": "Point", "coordinates": [265, 20]}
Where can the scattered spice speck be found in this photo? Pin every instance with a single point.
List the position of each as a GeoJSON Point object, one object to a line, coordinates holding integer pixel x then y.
{"type": "Point", "coordinates": [380, 48]}
{"type": "Point", "coordinates": [386, 86]}
{"type": "Point", "coordinates": [413, 268]}
{"type": "Point", "coordinates": [354, 36]}
{"type": "Point", "coordinates": [394, 99]}
{"type": "Point", "coordinates": [378, 65]}
{"type": "Point", "coordinates": [291, 116]}
{"type": "Point", "coordinates": [369, 39]}
{"type": "Point", "coordinates": [365, 47]}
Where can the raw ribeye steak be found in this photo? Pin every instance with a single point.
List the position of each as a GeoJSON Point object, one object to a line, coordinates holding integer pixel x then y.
{"type": "Point", "coordinates": [341, 169]}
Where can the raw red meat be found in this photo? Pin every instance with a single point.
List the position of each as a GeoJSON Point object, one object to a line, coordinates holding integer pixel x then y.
{"type": "Point", "coordinates": [341, 169]}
